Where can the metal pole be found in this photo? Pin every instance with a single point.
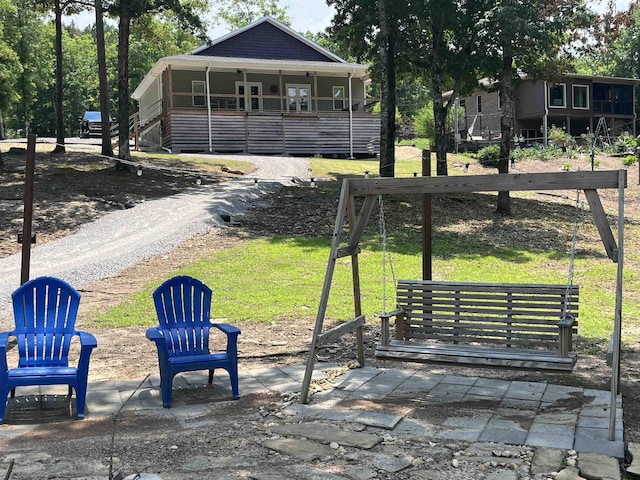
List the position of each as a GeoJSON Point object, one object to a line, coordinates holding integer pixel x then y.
{"type": "Point", "coordinates": [427, 251]}
{"type": "Point", "coordinates": [209, 121]}
{"type": "Point", "coordinates": [350, 118]}
{"type": "Point", "coordinates": [28, 208]}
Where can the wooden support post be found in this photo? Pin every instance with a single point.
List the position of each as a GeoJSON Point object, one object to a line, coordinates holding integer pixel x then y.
{"type": "Point", "coordinates": [326, 288]}
{"type": "Point", "coordinates": [28, 208]}
{"type": "Point", "coordinates": [617, 327]}
{"type": "Point", "coordinates": [355, 273]}
{"type": "Point", "coordinates": [427, 252]}
{"type": "Point", "coordinates": [283, 106]}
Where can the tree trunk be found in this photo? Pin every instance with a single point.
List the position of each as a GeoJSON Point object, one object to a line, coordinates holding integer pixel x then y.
{"type": "Point", "coordinates": [124, 25]}
{"type": "Point", "coordinates": [107, 149]}
{"type": "Point", "coordinates": [59, 118]}
{"type": "Point", "coordinates": [439, 109]}
{"type": "Point", "coordinates": [388, 91]}
{"type": "Point", "coordinates": [506, 123]}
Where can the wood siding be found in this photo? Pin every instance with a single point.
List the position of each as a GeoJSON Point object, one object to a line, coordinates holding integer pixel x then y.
{"type": "Point", "coordinates": [530, 100]}
{"type": "Point", "coordinates": [266, 41]}
{"type": "Point", "coordinates": [530, 107]}
{"type": "Point", "coordinates": [272, 133]}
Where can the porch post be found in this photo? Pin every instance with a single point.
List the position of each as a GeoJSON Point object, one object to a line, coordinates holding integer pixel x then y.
{"type": "Point", "coordinates": [315, 90]}
{"type": "Point", "coordinates": [170, 82]}
{"type": "Point", "coordinates": [282, 97]}
{"type": "Point", "coordinates": [208, 90]}
{"type": "Point", "coordinates": [246, 93]}
{"type": "Point", "coordinates": [350, 118]}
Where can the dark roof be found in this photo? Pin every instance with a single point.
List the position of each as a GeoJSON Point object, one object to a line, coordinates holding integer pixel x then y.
{"type": "Point", "coordinates": [267, 41]}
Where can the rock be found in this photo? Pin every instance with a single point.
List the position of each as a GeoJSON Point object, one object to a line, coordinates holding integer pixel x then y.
{"type": "Point", "coordinates": [322, 432]}
{"type": "Point", "coordinates": [302, 449]}
{"type": "Point", "coordinates": [634, 451]}
{"type": "Point", "coordinates": [594, 466]}
{"type": "Point", "coordinates": [143, 476]}
{"type": "Point", "coordinates": [547, 460]}
{"type": "Point", "coordinates": [569, 473]}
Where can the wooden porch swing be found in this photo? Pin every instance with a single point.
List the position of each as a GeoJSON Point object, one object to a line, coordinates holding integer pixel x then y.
{"type": "Point", "coordinates": [558, 303]}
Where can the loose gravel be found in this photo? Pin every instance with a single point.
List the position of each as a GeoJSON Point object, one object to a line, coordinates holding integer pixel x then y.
{"type": "Point", "coordinates": [124, 238]}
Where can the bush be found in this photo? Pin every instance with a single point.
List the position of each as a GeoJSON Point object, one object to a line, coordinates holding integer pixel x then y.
{"type": "Point", "coordinates": [629, 160]}
{"type": "Point", "coordinates": [489, 156]}
{"type": "Point", "coordinates": [560, 138]}
{"type": "Point", "coordinates": [425, 123]}
{"type": "Point", "coordinates": [540, 152]}
{"type": "Point", "coordinates": [624, 144]}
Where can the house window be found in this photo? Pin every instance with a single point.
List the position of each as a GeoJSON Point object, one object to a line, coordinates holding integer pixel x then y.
{"type": "Point", "coordinates": [338, 98]}
{"type": "Point", "coordinates": [254, 89]}
{"type": "Point", "coordinates": [298, 98]}
{"type": "Point", "coordinates": [197, 92]}
{"type": "Point", "coordinates": [581, 97]}
{"type": "Point", "coordinates": [558, 96]}
{"type": "Point", "coordinates": [479, 104]}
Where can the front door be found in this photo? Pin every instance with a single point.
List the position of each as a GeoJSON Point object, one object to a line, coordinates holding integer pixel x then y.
{"type": "Point", "coordinates": [254, 97]}
{"type": "Point", "coordinates": [298, 98]}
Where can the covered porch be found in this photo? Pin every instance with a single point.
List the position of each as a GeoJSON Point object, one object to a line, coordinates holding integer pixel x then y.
{"type": "Point", "coordinates": [219, 104]}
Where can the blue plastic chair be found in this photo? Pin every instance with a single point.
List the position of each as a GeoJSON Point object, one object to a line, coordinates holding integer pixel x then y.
{"type": "Point", "coordinates": [183, 306]}
{"type": "Point", "coordinates": [45, 313]}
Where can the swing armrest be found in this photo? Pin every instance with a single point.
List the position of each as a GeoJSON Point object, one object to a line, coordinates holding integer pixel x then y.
{"type": "Point", "coordinates": [565, 335]}
{"type": "Point", "coordinates": [567, 321]}
{"type": "Point", "coordinates": [393, 313]}
{"type": "Point", "coordinates": [384, 317]}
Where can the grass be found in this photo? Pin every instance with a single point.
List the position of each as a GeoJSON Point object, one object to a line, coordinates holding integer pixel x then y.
{"type": "Point", "coordinates": [201, 164]}
{"type": "Point", "coordinates": [266, 277]}
{"type": "Point", "coordinates": [422, 143]}
{"type": "Point", "coordinates": [335, 169]}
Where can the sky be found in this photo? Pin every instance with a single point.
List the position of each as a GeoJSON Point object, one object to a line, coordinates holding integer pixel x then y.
{"type": "Point", "coordinates": [313, 15]}
{"type": "Point", "coordinates": [306, 15]}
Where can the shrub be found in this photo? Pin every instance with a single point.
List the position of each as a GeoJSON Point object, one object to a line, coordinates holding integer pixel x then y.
{"type": "Point", "coordinates": [540, 152]}
{"type": "Point", "coordinates": [489, 156]}
{"type": "Point", "coordinates": [629, 160]}
{"type": "Point", "coordinates": [560, 138]}
{"type": "Point", "coordinates": [624, 144]}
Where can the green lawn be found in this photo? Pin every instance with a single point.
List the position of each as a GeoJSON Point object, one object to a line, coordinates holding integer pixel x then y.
{"type": "Point", "coordinates": [268, 277]}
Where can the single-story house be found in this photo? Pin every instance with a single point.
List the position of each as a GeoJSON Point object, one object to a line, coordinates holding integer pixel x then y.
{"type": "Point", "coordinates": [262, 89]}
{"type": "Point", "coordinates": [578, 104]}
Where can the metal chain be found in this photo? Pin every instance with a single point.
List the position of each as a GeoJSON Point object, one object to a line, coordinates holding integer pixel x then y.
{"type": "Point", "coordinates": [385, 254]}
{"type": "Point", "coordinates": [579, 220]}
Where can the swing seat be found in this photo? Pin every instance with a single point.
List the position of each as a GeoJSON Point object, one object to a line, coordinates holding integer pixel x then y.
{"type": "Point", "coordinates": [520, 326]}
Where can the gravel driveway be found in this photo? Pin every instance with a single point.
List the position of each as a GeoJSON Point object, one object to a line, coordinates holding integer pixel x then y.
{"type": "Point", "coordinates": [120, 239]}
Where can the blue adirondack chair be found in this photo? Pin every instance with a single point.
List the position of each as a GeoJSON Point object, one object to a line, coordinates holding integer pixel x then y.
{"type": "Point", "coordinates": [45, 311]}
{"type": "Point", "coordinates": [183, 306]}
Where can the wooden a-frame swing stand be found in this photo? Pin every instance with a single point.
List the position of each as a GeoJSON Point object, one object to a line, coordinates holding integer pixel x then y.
{"type": "Point", "coordinates": [371, 188]}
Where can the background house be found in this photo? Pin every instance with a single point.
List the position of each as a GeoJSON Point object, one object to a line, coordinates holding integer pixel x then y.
{"type": "Point", "coordinates": [579, 104]}
{"type": "Point", "coordinates": [260, 89]}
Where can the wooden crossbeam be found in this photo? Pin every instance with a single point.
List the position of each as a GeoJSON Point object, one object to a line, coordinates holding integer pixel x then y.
{"type": "Point", "coordinates": [485, 183]}
{"type": "Point", "coordinates": [336, 332]}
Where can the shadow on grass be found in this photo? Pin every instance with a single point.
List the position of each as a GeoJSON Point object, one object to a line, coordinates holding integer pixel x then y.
{"type": "Point", "coordinates": [464, 225]}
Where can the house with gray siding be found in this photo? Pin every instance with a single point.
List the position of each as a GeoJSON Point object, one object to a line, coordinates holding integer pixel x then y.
{"type": "Point", "coordinates": [262, 89]}
{"type": "Point", "coordinates": [577, 104]}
